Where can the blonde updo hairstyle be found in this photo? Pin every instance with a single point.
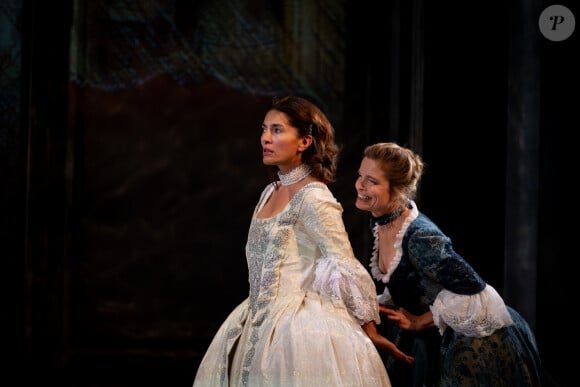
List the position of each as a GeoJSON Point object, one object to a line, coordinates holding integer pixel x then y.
{"type": "Point", "coordinates": [401, 166]}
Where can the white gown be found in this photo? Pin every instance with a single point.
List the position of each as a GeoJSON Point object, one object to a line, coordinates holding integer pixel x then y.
{"type": "Point", "coordinates": [300, 325]}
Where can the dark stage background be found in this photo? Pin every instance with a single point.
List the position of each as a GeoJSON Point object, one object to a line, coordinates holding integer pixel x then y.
{"type": "Point", "coordinates": [130, 162]}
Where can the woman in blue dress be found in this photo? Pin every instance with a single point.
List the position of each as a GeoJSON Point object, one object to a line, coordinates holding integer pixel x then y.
{"type": "Point", "coordinates": [440, 311]}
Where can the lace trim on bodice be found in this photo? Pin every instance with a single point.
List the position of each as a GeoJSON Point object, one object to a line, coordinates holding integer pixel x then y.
{"type": "Point", "coordinates": [374, 263]}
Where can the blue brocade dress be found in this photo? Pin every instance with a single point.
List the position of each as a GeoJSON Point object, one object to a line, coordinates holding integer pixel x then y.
{"type": "Point", "coordinates": [477, 340]}
{"type": "Point", "coordinates": [309, 295]}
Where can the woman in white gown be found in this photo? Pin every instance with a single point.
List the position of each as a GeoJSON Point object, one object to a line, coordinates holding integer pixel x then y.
{"type": "Point", "coordinates": [310, 316]}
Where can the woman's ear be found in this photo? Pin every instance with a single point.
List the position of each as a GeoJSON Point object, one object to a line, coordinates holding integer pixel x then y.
{"type": "Point", "coordinates": [305, 142]}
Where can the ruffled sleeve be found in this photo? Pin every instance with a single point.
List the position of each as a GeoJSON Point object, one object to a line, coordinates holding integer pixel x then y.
{"type": "Point", "coordinates": [462, 299]}
{"type": "Point", "coordinates": [477, 315]}
{"type": "Point", "coordinates": [338, 274]}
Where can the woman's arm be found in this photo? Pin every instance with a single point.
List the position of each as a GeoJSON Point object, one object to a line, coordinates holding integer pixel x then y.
{"type": "Point", "coordinates": [384, 344]}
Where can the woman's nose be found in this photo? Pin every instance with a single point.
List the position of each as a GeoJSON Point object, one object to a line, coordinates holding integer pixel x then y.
{"type": "Point", "coordinates": [265, 138]}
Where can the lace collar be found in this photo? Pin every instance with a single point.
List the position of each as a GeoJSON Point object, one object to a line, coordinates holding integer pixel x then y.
{"type": "Point", "coordinates": [374, 263]}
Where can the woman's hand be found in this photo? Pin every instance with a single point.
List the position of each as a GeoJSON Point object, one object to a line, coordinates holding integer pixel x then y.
{"type": "Point", "coordinates": [384, 344]}
{"type": "Point", "coordinates": [403, 318]}
{"type": "Point", "coordinates": [407, 320]}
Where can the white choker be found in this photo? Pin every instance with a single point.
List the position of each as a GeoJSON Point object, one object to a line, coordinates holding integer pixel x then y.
{"type": "Point", "coordinates": [294, 176]}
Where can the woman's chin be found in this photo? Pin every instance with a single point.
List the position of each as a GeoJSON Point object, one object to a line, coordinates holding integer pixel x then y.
{"type": "Point", "coordinates": [361, 205]}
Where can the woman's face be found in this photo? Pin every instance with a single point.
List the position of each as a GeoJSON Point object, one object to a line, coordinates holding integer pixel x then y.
{"type": "Point", "coordinates": [373, 189]}
{"type": "Point", "coordinates": [281, 145]}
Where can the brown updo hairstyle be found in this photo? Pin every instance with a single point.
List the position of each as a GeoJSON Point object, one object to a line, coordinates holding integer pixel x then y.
{"type": "Point", "coordinates": [401, 166]}
{"type": "Point", "coordinates": [308, 119]}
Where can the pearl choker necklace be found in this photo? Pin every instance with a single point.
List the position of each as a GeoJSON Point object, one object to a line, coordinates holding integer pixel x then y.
{"type": "Point", "coordinates": [294, 176]}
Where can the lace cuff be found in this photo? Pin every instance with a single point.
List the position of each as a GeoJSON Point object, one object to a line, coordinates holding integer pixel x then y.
{"type": "Point", "coordinates": [347, 282]}
{"type": "Point", "coordinates": [477, 315]}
